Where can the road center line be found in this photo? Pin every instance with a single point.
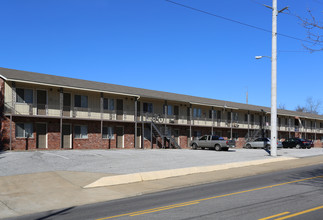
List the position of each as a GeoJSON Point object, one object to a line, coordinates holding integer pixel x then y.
{"type": "Point", "coordinates": [300, 213]}
{"type": "Point", "coordinates": [273, 216]}
{"type": "Point", "coordinates": [209, 198]}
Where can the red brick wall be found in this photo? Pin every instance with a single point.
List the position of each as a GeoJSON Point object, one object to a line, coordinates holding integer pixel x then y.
{"type": "Point", "coordinates": [94, 140]}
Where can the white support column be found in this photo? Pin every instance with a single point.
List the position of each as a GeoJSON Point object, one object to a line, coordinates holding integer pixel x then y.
{"type": "Point", "coordinates": [136, 125]}
{"type": "Point", "coordinates": [61, 103]}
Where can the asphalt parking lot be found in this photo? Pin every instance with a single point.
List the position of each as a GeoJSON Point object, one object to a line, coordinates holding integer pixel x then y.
{"type": "Point", "coordinates": [130, 161]}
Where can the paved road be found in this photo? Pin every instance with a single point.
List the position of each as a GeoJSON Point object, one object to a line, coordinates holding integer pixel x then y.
{"type": "Point", "coordinates": [292, 194]}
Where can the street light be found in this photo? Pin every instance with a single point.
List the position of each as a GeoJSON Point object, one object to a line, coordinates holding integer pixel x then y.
{"type": "Point", "coordinates": [259, 57]}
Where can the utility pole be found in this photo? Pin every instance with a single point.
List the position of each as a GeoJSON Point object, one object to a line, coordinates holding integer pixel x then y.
{"type": "Point", "coordinates": [273, 141]}
{"type": "Point", "coordinates": [273, 113]}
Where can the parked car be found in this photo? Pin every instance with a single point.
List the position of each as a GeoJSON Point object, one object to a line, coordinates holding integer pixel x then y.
{"type": "Point", "coordinates": [211, 141]}
{"type": "Point", "coordinates": [296, 142]}
{"type": "Point", "coordinates": [261, 143]}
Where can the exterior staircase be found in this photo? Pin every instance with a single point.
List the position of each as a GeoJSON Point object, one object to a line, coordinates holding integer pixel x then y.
{"type": "Point", "coordinates": [165, 134]}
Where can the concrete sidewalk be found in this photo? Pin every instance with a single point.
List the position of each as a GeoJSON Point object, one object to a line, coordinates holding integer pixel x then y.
{"type": "Point", "coordinates": [46, 180]}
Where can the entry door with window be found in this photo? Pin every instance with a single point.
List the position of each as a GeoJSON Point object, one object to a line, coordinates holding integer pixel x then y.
{"type": "Point", "coordinates": [119, 109]}
{"type": "Point", "coordinates": [67, 136]}
{"type": "Point", "coordinates": [41, 135]}
{"type": "Point", "coordinates": [119, 133]}
{"type": "Point", "coordinates": [41, 102]}
{"type": "Point", "coordinates": [67, 104]}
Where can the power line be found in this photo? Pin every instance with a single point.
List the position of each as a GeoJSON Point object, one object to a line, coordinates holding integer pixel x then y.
{"type": "Point", "coordinates": [235, 21]}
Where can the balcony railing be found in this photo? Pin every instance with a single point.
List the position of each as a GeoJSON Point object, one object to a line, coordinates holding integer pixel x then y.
{"type": "Point", "coordinates": [25, 109]}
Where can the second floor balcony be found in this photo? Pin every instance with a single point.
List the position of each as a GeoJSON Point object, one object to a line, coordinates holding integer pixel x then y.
{"type": "Point", "coordinates": [70, 112]}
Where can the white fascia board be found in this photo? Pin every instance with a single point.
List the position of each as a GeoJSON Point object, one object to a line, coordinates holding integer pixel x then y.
{"type": "Point", "coordinates": [1, 76]}
{"type": "Point", "coordinates": [210, 105]}
{"type": "Point", "coordinates": [71, 87]}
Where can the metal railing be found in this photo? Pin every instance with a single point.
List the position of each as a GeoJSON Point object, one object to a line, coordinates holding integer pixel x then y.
{"type": "Point", "coordinates": [128, 115]}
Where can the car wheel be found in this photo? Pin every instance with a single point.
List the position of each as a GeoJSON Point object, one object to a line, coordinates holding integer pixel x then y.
{"type": "Point", "coordinates": [308, 147]}
{"type": "Point", "coordinates": [248, 146]}
{"type": "Point", "coordinates": [194, 146]}
{"type": "Point", "coordinates": [267, 147]}
{"type": "Point", "coordinates": [298, 146]}
{"type": "Point", "coordinates": [217, 147]}
{"type": "Point", "coordinates": [202, 148]}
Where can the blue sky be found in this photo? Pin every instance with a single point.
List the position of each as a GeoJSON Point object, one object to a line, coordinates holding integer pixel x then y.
{"type": "Point", "coordinates": [158, 45]}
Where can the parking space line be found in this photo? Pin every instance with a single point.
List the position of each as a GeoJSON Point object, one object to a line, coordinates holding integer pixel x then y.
{"type": "Point", "coordinates": [273, 216]}
{"type": "Point", "coordinates": [56, 155]}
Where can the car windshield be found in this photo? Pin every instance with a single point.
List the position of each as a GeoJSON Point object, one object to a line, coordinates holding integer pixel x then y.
{"type": "Point", "coordinates": [301, 139]}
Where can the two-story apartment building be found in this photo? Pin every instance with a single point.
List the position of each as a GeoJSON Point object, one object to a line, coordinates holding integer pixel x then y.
{"type": "Point", "coordinates": [40, 111]}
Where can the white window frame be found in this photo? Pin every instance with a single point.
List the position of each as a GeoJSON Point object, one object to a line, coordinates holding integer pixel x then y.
{"type": "Point", "coordinates": [111, 105]}
{"type": "Point", "coordinates": [24, 130]}
{"type": "Point", "coordinates": [82, 127]}
{"type": "Point", "coordinates": [109, 134]}
{"type": "Point", "coordinates": [24, 98]}
{"type": "Point", "coordinates": [82, 96]}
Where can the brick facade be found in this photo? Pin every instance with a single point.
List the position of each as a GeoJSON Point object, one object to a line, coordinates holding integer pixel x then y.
{"type": "Point", "coordinates": [95, 140]}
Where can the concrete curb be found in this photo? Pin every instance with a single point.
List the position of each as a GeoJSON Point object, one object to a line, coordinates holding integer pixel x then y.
{"type": "Point", "coordinates": [162, 174]}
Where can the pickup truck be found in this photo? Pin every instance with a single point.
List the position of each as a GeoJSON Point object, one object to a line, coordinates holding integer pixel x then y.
{"type": "Point", "coordinates": [211, 141]}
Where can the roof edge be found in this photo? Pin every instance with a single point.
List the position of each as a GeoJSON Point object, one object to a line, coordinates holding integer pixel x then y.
{"type": "Point", "coordinates": [71, 87]}
{"type": "Point", "coordinates": [1, 76]}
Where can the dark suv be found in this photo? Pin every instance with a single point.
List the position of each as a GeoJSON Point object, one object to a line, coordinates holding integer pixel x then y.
{"type": "Point", "coordinates": [296, 142]}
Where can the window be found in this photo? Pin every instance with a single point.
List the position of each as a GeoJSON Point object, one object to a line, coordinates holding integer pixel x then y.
{"type": "Point", "coordinates": [24, 130]}
{"type": "Point", "coordinates": [169, 110]}
{"type": "Point", "coordinates": [321, 125]}
{"type": "Point", "coordinates": [212, 112]}
{"type": "Point", "coordinates": [219, 115]}
{"type": "Point", "coordinates": [107, 133]}
{"type": "Point", "coordinates": [252, 118]}
{"type": "Point", "coordinates": [197, 134]}
{"type": "Point", "coordinates": [24, 95]}
{"type": "Point", "coordinates": [286, 121]}
{"type": "Point", "coordinates": [214, 138]}
{"type": "Point", "coordinates": [147, 134]}
{"type": "Point", "coordinates": [203, 138]}
{"type": "Point", "coordinates": [229, 116]}
{"type": "Point", "coordinates": [148, 107]}
{"type": "Point", "coordinates": [80, 101]}
{"type": "Point", "coordinates": [235, 116]}
{"type": "Point", "coordinates": [108, 104]}
{"type": "Point", "coordinates": [80, 131]}
{"type": "Point", "coordinates": [197, 112]}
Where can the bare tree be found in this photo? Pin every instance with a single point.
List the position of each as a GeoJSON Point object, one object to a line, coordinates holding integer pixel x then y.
{"type": "Point", "coordinates": [314, 28]}
{"type": "Point", "coordinates": [281, 106]}
{"type": "Point", "coordinates": [300, 109]}
{"type": "Point", "coordinates": [312, 106]}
